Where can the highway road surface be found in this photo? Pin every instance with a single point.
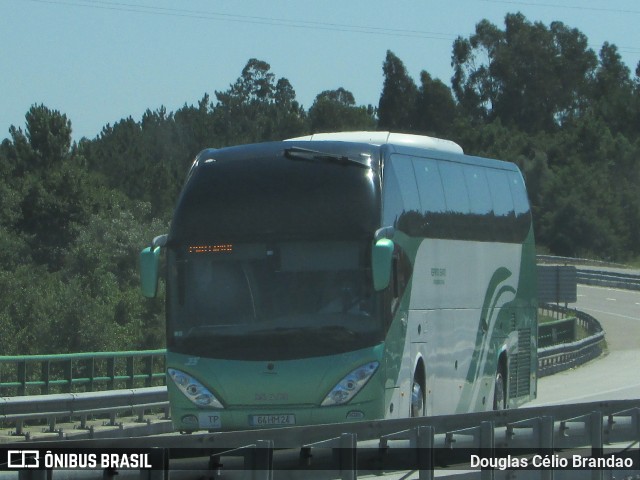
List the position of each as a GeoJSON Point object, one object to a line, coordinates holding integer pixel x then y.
{"type": "Point", "coordinates": [616, 374]}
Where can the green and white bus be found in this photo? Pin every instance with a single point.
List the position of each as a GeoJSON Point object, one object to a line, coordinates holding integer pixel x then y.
{"type": "Point", "coordinates": [345, 277]}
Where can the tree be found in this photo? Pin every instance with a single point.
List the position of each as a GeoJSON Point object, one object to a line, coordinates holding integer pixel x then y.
{"type": "Point", "coordinates": [336, 110]}
{"type": "Point", "coordinates": [435, 109]}
{"type": "Point", "coordinates": [530, 76]}
{"type": "Point", "coordinates": [398, 98]}
{"type": "Point", "coordinates": [49, 135]}
{"type": "Point", "coordinates": [257, 107]}
{"type": "Point", "coordinates": [48, 192]}
{"type": "Point", "coordinates": [612, 97]}
{"type": "Point", "coordinates": [290, 116]}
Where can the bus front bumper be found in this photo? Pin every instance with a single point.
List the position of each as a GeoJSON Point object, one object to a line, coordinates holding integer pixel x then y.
{"type": "Point", "coordinates": [256, 417]}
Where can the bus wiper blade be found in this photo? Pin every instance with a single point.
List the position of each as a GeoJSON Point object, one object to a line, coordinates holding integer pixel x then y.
{"type": "Point", "coordinates": [297, 153]}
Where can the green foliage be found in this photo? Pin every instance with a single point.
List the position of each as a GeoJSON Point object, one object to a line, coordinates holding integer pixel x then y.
{"type": "Point", "coordinates": [435, 110]}
{"type": "Point", "coordinates": [403, 107]}
{"type": "Point", "coordinates": [257, 108]}
{"type": "Point", "coordinates": [73, 217]}
{"type": "Point", "coordinates": [398, 98]}
{"type": "Point", "coordinates": [336, 111]}
{"type": "Point", "coordinates": [530, 76]}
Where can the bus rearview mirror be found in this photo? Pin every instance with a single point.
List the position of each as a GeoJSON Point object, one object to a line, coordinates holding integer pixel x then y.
{"type": "Point", "coordinates": [149, 270]}
{"type": "Point", "coordinates": [381, 263]}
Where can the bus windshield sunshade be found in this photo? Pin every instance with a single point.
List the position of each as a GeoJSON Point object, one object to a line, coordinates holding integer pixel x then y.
{"type": "Point", "coordinates": [297, 153]}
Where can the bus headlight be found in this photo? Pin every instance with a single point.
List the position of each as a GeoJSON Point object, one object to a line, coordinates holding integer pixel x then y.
{"type": "Point", "coordinates": [350, 385]}
{"type": "Point", "coordinates": [193, 389]}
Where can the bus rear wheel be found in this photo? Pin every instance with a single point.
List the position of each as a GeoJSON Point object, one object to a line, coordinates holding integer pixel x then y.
{"type": "Point", "coordinates": [499, 396]}
{"type": "Point", "coordinates": [417, 399]}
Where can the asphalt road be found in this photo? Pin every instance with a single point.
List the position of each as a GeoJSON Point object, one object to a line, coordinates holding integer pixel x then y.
{"type": "Point", "coordinates": [616, 374]}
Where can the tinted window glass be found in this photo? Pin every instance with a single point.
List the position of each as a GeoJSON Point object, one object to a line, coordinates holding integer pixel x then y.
{"type": "Point", "coordinates": [393, 206]}
{"type": "Point", "coordinates": [255, 193]}
{"type": "Point", "coordinates": [282, 300]}
{"type": "Point", "coordinates": [518, 193]}
{"type": "Point", "coordinates": [500, 192]}
{"type": "Point", "coordinates": [402, 206]}
{"type": "Point", "coordinates": [407, 181]}
{"type": "Point", "coordinates": [455, 200]}
{"type": "Point", "coordinates": [455, 188]}
{"type": "Point", "coordinates": [432, 195]}
{"type": "Point", "coordinates": [479, 194]}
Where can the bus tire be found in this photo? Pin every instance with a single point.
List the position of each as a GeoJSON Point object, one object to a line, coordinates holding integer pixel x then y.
{"type": "Point", "coordinates": [499, 392]}
{"type": "Point", "coordinates": [417, 397]}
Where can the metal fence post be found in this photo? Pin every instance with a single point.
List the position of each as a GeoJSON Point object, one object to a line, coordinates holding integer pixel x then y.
{"type": "Point", "coordinates": [348, 456]}
{"type": "Point", "coordinates": [595, 426]}
{"type": "Point", "coordinates": [424, 451]}
{"type": "Point", "coordinates": [92, 372]}
{"type": "Point", "coordinates": [111, 373]}
{"type": "Point", "coordinates": [22, 377]}
{"type": "Point", "coordinates": [68, 376]}
{"type": "Point", "coordinates": [46, 372]}
{"type": "Point", "coordinates": [262, 460]}
{"type": "Point", "coordinates": [19, 427]}
{"type": "Point", "coordinates": [546, 443]}
{"type": "Point", "coordinates": [148, 363]}
{"type": "Point", "coordinates": [130, 372]}
{"type": "Point", "coordinates": [26, 474]}
{"type": "Point", "coordinates": [487, 447]}
{"type": "Point", "coordinates": [158, 474]}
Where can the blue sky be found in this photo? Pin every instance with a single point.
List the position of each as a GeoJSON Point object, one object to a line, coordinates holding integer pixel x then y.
{"type": "Point", "coordinates": [99, 61]}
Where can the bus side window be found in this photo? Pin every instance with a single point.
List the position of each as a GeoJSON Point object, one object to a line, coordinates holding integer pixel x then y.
{"type": "Point", "coordinates": [481, 220]}
{"type": "Point", "coordinates": [400, 193]}
{"type": "Point", "coordinates": [479, 194]}
{"type": "Point", "coordinates": [435, 222]}
{"type": "Point", "coordinates": [455, 189]}
{"type": "Point", "coordinates": [521, 205]}
{"type": "Point", "coordinates": [503, 208]}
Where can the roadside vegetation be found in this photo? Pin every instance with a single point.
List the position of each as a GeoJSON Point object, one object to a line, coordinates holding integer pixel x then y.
{"type": "Point", "coordinates": [74, 215]}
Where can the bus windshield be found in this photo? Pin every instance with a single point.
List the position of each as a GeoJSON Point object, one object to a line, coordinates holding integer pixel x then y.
{"type": "Point", "coordinates": [283, 300]}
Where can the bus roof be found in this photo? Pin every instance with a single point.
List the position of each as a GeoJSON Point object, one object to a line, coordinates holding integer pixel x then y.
{"type": "Point", "coordinates": [383, 138]}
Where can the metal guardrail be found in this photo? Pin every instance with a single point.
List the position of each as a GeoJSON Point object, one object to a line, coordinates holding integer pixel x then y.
{"type": "Point", "coordinates": [625, 281]}
{"type": "Point", "coordinates": [551, 359]}
{"type": "Point", "coordinates": [423, 444]}
{"type": "Point", "coordinates": [551, 333]}
{"type": "Point", "coordinates": [600, 278]}
{"type": "Point", "coordinates": [66, 373]}
{"type": "Point", "coordinates": [552, 259]}
{"type": "Point", "coordinates": [81, 405]}
{"type": "Point", "coordinates": [556, 358]}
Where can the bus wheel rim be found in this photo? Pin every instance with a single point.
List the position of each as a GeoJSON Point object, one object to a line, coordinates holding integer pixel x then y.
{"type": "Point", "coordinates": [417, 400]}
{"type": "Point", "coordinates": [499, 403]}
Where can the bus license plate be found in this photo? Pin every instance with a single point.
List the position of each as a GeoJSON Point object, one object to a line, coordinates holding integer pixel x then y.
{"type": "Point", "coordinates": [267, 420]}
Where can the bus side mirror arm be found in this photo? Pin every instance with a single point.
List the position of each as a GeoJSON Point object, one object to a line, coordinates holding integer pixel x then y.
{"type": "Point", "coordinates": [159, 241]}
{"type": "Point", "coordinates": [384, 232]}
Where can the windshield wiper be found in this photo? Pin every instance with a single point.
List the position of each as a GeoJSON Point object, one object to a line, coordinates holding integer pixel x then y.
{"type": "Point", "coordinates": [297, 153]}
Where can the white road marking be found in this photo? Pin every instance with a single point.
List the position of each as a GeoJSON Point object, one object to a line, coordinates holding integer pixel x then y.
{"type": "Point", "coordinates": [584, 397]}
{"type": "Point", "coordinates": [622, 290]}
{"type": "Point", "coordinates": [609, 313]}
